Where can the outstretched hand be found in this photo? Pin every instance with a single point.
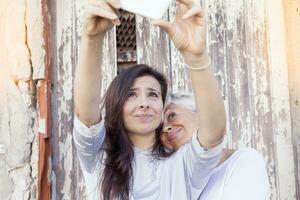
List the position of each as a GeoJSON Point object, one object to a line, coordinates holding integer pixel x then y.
{"type": "Point", "coordinates": [101, 15]}
{"type": "Point", "coordinates": [188, 31]}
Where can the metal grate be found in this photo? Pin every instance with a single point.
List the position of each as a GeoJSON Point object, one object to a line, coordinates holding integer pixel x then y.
{"type": "Point", "coordinates": [126, 38]}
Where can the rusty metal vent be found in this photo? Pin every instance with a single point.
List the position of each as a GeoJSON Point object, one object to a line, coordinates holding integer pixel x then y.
{"type": "Point", "coordinates": [126, 39]}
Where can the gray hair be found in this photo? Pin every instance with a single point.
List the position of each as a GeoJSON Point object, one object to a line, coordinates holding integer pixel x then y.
{"type": "Point", "coordinates": [186, 100]}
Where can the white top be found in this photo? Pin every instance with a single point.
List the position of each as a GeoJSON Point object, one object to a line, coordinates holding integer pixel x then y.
{"type": "Point", "coordinates": [242, 176]}
{"type": "Point", "coordinates": [179, 177]}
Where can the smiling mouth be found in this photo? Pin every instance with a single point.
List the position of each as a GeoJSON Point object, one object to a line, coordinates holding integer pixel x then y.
{"type": "Point", "coordinates": [144, 117]}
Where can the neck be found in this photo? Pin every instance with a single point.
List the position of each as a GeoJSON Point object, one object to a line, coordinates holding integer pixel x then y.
{"type": "Point", "coordinates": [144, 142]}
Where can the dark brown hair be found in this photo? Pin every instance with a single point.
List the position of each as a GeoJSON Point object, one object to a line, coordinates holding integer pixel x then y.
{"type": "Point", "coordinates": [117, 174]}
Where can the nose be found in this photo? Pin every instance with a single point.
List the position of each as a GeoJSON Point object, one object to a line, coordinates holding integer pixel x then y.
{"type": "Point", "coordinates": [167, 129]}
{"type": "Point", "coordinates": [144, 103]}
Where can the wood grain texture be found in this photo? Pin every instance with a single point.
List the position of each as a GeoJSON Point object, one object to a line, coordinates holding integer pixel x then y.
{"type": "Point", "coordinates": [292, 26]}
{"type": "Point", "coordinates": [63, 153]}
{"type": "Point", "coordinates": [152, 45]}
{"type": "Point", "coordinates": [216, 44]}
{"type": "Point", "coordinates": [180, 81]}
{"type": "Point", "coordinates": [256, 55]}
{"type": "Point", "coordinates": [242, 53]}
{"type": "Point", "coordinates": [282, 132]}
{"type": "Point", "coordinates": [66, 175]}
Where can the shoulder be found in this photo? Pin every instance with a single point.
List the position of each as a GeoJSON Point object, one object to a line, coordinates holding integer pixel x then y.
{"type": "Point", "coordinates": [246, 166]}
{"type": "Point", "coordinates": [247, 160]}
{"type": "Point", "coordinates": [250, 155]}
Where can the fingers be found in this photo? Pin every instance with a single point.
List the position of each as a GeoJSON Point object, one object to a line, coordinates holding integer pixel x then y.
{"type": "Point", "coordinates": [105, 9]}
{"type": "Point", "coordinates": [194, 11]}
{"type": "Point", "coordinates": [187, 3]}
{"type": "Point", "coordinates": [165, 25]}
{"type": "Point", "coordinates": [101, 12]}
{"type": "Point", "coordinates": [114, 3]}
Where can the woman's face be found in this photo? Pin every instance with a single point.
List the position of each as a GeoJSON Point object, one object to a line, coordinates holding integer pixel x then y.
{"type": "Point", "coordinates": [142, 112]}
{"type": "Point", "coordinates": [179, 125]}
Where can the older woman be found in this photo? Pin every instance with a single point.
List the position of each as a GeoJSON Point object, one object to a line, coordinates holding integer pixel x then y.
{"type": "Point", "coordinates": [241, 173]}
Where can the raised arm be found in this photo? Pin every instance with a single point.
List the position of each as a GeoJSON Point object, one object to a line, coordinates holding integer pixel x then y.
{"type": "Point", "coordinates": [100, 16]}
{"type": "Point", "coordinates": [188, 33]}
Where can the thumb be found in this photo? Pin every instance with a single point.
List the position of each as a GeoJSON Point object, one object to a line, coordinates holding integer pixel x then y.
{"type": "Point", "coordinates": [165, 25]}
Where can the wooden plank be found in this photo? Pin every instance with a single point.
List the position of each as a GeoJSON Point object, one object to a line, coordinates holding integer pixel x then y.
{"type": "Point", "coordinates": [152, 45]}
{"type": "Point", "coordinates": [78, 13]}
{"type": "Point", "coordinates": [179, 76]}
{"type": "Point", "coordinates": [67, 25]}
{"type": "Point", "coordinates": [280, 102]}
{"type": "Point", "coordinates": [292, 26]}
{"type": "Point", "coordinates": [259, 87]}
{"type": "Point", "coordinates": [63, 155]}
{"type": "Point", "coordinates": [215, 13]}
{"type": "Point", "coordinates": [237, 75]}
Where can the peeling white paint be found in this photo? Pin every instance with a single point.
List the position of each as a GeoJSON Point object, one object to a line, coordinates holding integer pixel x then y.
{"type": "Point", "coordinates": [2, 149]}
{"type": "Point", "coordinates": [280, 101]}
{"type": "Point", "coordinates": [42, 125]}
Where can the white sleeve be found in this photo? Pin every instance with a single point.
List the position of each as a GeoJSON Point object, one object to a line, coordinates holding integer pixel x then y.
{"type": "Point", "coordinates": [247, 179]}
{"type": "Point", "coordinates": [200, 162]}
{"type": "Point", "coordinates": [88, 141]}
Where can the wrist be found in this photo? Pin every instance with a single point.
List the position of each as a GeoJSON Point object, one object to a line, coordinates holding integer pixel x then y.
{"type": "Point", "coordinates": [199, 60]}
{"type": "Point", "coordinates": [92, 38]}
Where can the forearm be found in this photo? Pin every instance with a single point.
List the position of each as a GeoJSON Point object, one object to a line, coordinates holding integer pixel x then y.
{"type": "Point", "coordinates": [87, 82]}
{"type": "Point", "coordinates": [210, 106]}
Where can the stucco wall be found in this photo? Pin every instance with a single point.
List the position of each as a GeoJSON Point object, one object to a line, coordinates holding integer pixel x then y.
{"type": "Point", "coordinates": [21, 64]}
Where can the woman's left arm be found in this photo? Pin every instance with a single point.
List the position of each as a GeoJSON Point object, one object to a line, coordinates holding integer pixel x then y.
{"type": "Point", "coordinates": [188, 33]}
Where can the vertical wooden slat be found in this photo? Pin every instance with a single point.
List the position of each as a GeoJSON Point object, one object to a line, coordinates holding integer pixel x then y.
{"type": "Point", "coordinates": [63, 155]}
{"type": "Point", "coordinates": [237, 74]}
{"type": "Point", "coordinates": [256, 56]}
{"type": "Point", "coordinates": [66, 175]}
{"type": "Point", "coordinates": [215, 13]}
{"type": "Point", "coordinates": [109, 60]}
{"type": "Point", "coordinates": [179, 76]}
{"type": "Point", "coordinates": [78, 14]}
{"type": "Point", "coordinates": [292, 27]}
{"type": "Point", "coordinates": [152, 45]}
{"type": "Point", "coordinates": [280, 101]}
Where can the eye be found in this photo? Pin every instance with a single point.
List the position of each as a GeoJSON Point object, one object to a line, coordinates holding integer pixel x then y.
{"type": "Point", "coordinates": [153, 94]}
{"type": "Point", "coordinates": [131, 94]}
{"type": "Point", "coordinates": [171, 116]}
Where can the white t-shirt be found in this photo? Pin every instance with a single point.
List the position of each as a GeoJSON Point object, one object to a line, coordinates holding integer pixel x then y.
{"type": "Point", "coordinates": [243, 176]}
{"type": "Point", "coordinates": [182, 176]}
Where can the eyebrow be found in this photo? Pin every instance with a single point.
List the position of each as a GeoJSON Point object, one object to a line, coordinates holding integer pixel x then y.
{"type": "Point", "coordinates": [151, 89]}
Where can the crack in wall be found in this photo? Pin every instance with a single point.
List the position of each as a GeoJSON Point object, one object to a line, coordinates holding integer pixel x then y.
{"type": "Point", "coordinates": [22, 172]}
{"type": "Point", "coordinates": [26, 39]}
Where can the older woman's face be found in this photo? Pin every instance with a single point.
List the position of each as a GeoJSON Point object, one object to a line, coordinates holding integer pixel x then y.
{"type": "Point", "coordinates": [179, 125]}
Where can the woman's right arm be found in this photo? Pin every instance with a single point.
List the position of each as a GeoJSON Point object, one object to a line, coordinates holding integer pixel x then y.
{"type": "Point", "coordinates": [88, 132]}
{"type": "Point", "coordinates": [100, 16]}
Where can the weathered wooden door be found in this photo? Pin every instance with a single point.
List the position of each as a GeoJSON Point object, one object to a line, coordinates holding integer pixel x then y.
{"type": "Point", "coordinates": [252, 78]}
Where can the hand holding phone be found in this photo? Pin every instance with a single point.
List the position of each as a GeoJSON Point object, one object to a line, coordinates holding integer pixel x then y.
{"type": "Point", "coordinates": [154, 9]}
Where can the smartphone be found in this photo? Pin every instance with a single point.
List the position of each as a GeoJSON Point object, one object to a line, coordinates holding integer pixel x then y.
{"type": "Point", "coordinates": [154, 9]}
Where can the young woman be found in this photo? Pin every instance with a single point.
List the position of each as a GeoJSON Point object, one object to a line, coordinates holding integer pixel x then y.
{"type": "Point", "coordinates": [241, 173]}
{"type": "Point", "coordinates": [121, 155]}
